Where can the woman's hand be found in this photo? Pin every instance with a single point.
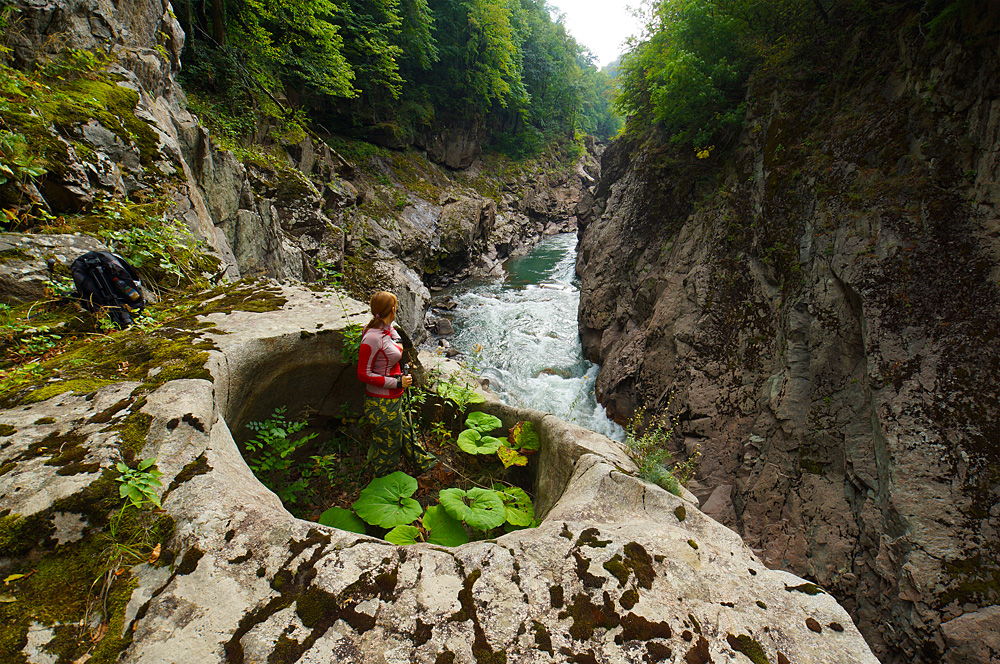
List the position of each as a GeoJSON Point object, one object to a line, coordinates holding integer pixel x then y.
{"type": "Point", "coordinates": [406, 381]}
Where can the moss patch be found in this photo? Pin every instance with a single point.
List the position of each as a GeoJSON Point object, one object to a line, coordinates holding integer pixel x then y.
{"type": "Point", "coordinates": [589, 537]}
{"type": "Point", "coordinates": [189, 562]}
{"type": "Point", "coordinates": [133, 432]}
{"type": "Point", "coordinates": [109, 413]}
{"type": "Point", "coordinates": [657, 652]}
{"type": "Point", "coordinates": [59, 587]}
{"type": "Point", "coordinates": [699, 654]}
{"type": "Point", "coordinates": [618, 569]}
{"type": "Point", "coordinates": [637, 628]}
{"type": "Point", "coordinates": [637, 560]}
{"type": "Point", "coordinates": [199, 466]}
{"type": "Point", "coordinates": [15, 255]}
{"type": "Point", "coordinates": [588, 616]}
{"type": "Point", "coordinates": [316, 607]}
{"type": "Point", "coordinates": [481, 648]}
{"type": "Point", "coordinates": [807, 588]}
{"type": "Point", "coordinates": [542, 638]}
{"type": "Point", "coordinates": [749, 647]}
{"type": "Point", "coordinates": [582, 572]}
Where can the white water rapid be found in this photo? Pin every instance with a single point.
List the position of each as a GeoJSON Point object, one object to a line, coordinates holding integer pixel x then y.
{"type": "Point", "coordinates": [525, 324]}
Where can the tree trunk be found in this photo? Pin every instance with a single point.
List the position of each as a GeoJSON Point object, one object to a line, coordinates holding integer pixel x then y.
{"type": "Point", "coordinates": [219, 22]}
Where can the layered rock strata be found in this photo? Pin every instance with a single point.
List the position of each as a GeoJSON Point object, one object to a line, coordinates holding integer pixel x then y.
{"type": "Point", "coordinates": [823, 319]}
{"type": "Point", "coordinates": [619, 570]}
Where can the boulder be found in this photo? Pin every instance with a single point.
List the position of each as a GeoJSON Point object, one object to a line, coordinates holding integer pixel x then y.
{"type": "Point", "coordinates": [454, 147]}
{"type": "Point", "coordinates": [973, 637]}
{"type": "Point", "coordinates": [464, 223]}
{"type": "Point", "coordinates": [441, 326]}
{"type": "Point", "coordinates": [24, 267]}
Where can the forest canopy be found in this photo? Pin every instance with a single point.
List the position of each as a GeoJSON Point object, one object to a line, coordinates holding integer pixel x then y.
{"type": "Point", "coordinates": [689, 71]}
{"type": "Point", "coordinates": [390, 69]}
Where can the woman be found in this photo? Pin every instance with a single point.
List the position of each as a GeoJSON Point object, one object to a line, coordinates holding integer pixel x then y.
{"type": "Point", "coordinates": [378, 367]}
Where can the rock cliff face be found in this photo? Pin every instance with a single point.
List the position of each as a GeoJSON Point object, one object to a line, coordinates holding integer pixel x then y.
{"type": "Point", "coordinates": [821, 313]}
{"type": "Point", "coordinates": [279, 220]}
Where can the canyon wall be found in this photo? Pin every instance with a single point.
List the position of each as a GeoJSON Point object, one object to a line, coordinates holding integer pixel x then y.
{"type": "Point", "coordinates": [818, 307]}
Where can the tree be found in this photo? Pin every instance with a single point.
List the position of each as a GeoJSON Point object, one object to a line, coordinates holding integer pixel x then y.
{"type": "Point", "coordinates": [689, 73]}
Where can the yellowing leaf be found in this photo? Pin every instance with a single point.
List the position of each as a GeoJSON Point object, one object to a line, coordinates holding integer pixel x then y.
{"type": "Point", "coordinates": [7, 599]}
{"type": "Point", "coordinates": [509, 457]}
{"type": "Point", "coordinates": [12, 577]}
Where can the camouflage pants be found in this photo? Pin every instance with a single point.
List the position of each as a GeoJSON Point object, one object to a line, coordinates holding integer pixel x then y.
{"type": "Point", "coordinates": [391, 430]}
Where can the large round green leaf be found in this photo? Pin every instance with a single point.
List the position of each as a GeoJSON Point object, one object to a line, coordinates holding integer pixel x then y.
{"type": "Point", "coordinates": [473, 442]}
{"type": "Point", "coordinates": [403, 535]}
{"type": "Point", "coordinates": [338, 517]}
{"type": "Point", "coordinates": [517, 504]}
{"type": "Point", "coordinates": [386, 501]}
{"type": "Point", "coordinates": [482, 509]}
{"type": "Point", "coordinates": [443, 528]}
{"type": "Point", "coordinates": [486, 509]}
{"type": "Point", "coordinates": [483, 422]}
{"type": "Point", "coordinates": [468, 441]}
{"type": "Point", "coordinates": [453, 502]}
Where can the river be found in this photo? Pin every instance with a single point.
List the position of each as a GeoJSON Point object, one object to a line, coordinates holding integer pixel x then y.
{"type": "Point", "coordinates": [520, 331]}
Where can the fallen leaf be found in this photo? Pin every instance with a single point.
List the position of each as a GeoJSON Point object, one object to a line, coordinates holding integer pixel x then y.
{"type": "Point", "coordinates": [12, 577]}
{"type": "Point", "coordinates": [119, 571]}
{"type": "Point", "coordinates": [7, 599]}
{"type": "Point", "coordinates": [155, 555]}
{"type": "Point", "coordinates": [99, 633]}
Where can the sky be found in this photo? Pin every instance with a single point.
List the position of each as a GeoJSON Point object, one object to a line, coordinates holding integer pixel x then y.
{"type": "Point", "coordinates": [600, 25]}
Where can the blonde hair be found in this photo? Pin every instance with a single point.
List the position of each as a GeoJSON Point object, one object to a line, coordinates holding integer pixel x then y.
{"type": "Point", "coordinates": [382, 305]}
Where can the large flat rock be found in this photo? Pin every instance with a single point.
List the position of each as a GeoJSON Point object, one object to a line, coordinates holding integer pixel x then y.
{"type": "Point", "coordinates": [619, 570]}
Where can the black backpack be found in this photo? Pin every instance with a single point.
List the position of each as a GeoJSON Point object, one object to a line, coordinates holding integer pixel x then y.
{"type": "Point", "coordinates": [106, 281]}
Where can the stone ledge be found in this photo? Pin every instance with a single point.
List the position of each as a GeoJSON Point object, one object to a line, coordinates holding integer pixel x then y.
{"type": "Point", "coordinates": [618, 569]}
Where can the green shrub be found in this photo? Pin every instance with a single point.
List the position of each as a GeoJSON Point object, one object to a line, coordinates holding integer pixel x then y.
{"type": "Point", "coordinates": [689, 72]}
{"type": "Point", "coordinates": [272, 449]}
{"type": "Point", "coordinates": [648, 444]}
